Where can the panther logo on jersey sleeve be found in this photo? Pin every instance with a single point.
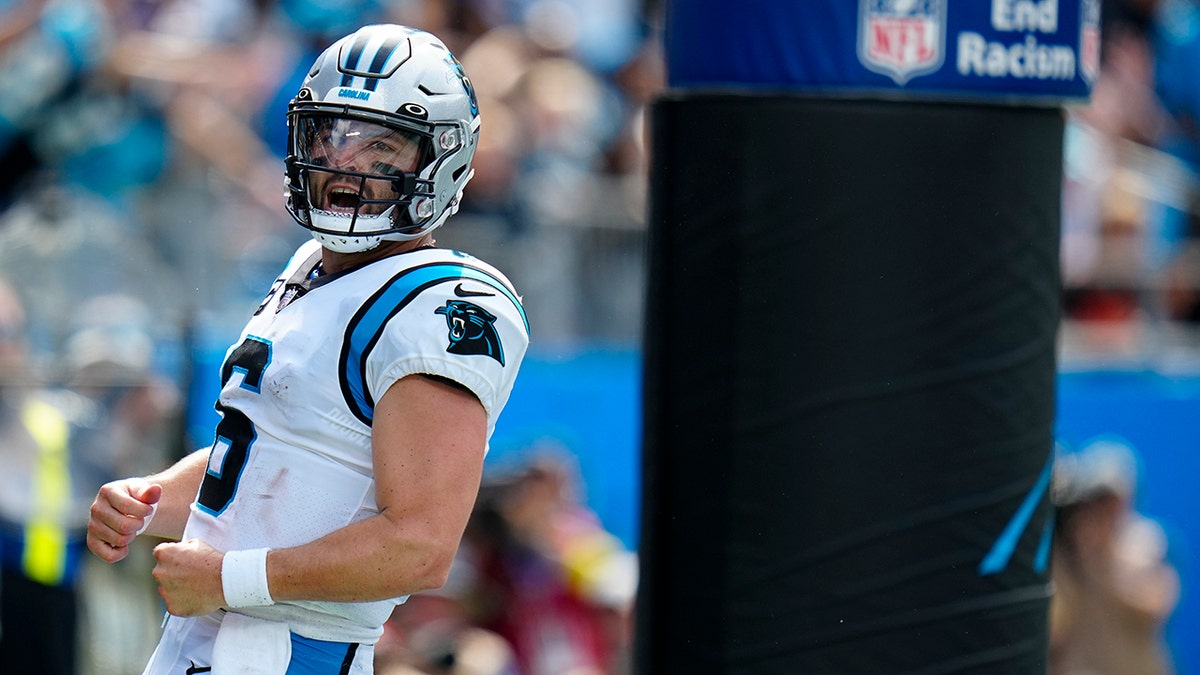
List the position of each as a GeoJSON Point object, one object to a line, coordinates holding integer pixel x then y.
{"type": "Point", "coordinates": [471, 330]}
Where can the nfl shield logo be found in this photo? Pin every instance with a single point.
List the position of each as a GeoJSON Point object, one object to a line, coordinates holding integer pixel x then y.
{"type": "Point", "coordinates": [902, 38]}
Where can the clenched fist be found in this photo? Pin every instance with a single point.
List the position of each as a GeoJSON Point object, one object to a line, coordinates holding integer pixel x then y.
{"type": "Point", "coordinates": [118, 514]}
{"type": "Point", "coordinates": [189, 577]}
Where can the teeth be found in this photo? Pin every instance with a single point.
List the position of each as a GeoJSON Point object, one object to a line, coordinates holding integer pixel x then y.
{"type": "Point", "coordinates": [342, 199]}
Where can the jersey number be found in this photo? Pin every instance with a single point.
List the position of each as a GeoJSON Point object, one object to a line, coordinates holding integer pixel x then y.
{"type": "Point", "coordinates": [235, 434]}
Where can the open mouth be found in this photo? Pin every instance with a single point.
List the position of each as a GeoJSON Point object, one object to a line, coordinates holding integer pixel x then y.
{"type": "Point", "coordinates": [343, 200]}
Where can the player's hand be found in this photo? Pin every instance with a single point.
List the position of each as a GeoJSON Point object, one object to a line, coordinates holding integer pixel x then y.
{"type": "Point", "coordinates": [118, 514]}
{"type": "Point", "coordinates": [189, 577]}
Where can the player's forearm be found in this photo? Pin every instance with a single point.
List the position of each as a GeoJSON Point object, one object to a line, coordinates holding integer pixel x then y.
{"type": "Point", "coordinates": [374, 559]}
{"type": "Point", "coordinates": [180, 483]}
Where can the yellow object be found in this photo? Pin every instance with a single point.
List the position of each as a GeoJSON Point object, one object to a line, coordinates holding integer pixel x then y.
{"type": "Point", "coordinates": [45, 555]}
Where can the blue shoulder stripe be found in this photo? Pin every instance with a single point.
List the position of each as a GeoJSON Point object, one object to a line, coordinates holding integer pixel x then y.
{"type": "Point", "coordinates": [367, 324]}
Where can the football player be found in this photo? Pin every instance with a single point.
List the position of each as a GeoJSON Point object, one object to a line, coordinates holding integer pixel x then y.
{"type": "Point", "coordinates": [357, 404]}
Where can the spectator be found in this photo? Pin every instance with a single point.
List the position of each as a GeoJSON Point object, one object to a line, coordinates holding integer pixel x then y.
{"type": "Point", "coordinates": [1114, 588]}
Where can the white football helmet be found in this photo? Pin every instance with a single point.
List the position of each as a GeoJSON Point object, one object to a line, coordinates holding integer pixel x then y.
{"type": "Point", "coordinates": [380, 139]}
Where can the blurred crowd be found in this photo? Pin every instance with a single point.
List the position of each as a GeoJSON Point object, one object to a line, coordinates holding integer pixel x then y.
{"type": "Point", "coordinates": [1131, 205]}
{"type": "Point", "coordinates": [147, 136]}
{"type": "Point", "coordinates": [141, 219]}
{"type": "Point", "coordinates": [1131, 300]}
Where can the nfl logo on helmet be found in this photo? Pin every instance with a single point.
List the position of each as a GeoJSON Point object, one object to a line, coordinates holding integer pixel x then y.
{"type": "Point", "coordinates": [902, 38]}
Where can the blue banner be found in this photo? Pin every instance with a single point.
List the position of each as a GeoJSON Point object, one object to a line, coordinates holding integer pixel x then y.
{"type": "Point", "coordinates": [1004, 51]}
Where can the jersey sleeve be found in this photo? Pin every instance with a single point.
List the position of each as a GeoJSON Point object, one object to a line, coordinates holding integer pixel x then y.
{"type": "Point", "coordinates": [471, 330]}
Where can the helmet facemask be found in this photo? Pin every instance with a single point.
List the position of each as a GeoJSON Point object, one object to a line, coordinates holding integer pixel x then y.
{"type": "Point", "coordinates": [350, 177]}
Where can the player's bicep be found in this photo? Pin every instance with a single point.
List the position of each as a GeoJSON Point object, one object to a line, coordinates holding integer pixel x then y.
{"type": "Point", "coordinates": [428, 441]}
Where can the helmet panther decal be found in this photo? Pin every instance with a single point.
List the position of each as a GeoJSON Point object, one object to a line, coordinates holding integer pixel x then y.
{"type": "Point", "coordinates": [471, 330]}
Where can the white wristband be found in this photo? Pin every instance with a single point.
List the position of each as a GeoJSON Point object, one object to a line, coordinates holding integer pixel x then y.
{"type": "Point", "coordinates": [244, 579]}
{"type": "Point", "coordinates": [146, 522]}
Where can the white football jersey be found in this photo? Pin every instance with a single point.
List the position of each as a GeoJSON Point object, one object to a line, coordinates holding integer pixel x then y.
{"type": "Point", "coordinates": [291, 460]}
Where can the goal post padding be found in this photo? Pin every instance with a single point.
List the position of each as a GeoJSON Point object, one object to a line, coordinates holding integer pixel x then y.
{"type": "Point", "coordinates": [849, 374]}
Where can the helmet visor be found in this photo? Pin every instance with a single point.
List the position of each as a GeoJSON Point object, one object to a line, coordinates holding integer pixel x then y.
{"type": "Point", "coordinates": [356, 167]}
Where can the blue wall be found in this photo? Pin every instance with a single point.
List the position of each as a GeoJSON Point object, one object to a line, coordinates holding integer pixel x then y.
{"type": "Point", "coordinates": [1159, 416]}
{"type": "Point", "coordinates": [590, 403]}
